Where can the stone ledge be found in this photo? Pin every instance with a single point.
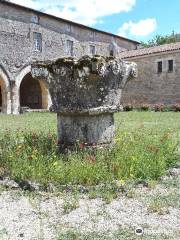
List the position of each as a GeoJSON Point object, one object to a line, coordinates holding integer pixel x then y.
{"type": "Point", "coordinates": [92, 111]}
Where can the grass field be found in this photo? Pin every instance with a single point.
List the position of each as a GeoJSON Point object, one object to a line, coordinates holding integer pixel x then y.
{"type": "Point", "coordinates": [158, 121]}
{"type": "Point", "coordinates": [147, 143]}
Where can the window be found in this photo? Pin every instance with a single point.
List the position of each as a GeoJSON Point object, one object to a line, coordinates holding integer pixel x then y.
{"type": "Point", "coordinates": [92, 49]}
{"type": "Point", "coordinates": [170, 66]}
{"type": "Point", "coordinates": [92, 35]}
{"type": "Point", "coordinates": [35, 19]}
{"type": "Point", "coordinates": [159, 67]}
{"type": "Point", "coordinates": [70, 47]}
{"type": "Point", "coordinates": [69, 28]}
{"type": "Point", "coordinates": [37, 41]}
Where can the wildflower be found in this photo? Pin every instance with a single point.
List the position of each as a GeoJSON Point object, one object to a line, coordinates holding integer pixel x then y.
{"type": "Point", "coordinates": [34, 136]}
{"type": "Point", "coordinates": [81, 146]}
{"type": "Point", "coordinates": [122, 182]}
{"type": "Point", "coordinates": [19, 147]}
{"type": "Point", "coordinates": [118, 139]}
{"type": "Point", "coordinates": [131, 172]}
{"type": "Point", "coordinates": [91, 158]}
{"type": "Point", "coordinates": [153, 148]}
{"type": "Point", "coordinates": [55, 163]}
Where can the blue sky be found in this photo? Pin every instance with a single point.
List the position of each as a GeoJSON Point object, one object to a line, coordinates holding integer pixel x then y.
{"type": "Point", "coordinates": [136, 19]}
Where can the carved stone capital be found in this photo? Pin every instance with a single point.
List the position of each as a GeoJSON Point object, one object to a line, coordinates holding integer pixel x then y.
{"type": "Point", "coordinates": [85, 93]}
{"type": "Point", "coordinates": [87, 83]}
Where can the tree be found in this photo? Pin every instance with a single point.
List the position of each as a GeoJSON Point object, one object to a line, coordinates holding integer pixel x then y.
{"type": "Point", "coordinates": [160, 40]}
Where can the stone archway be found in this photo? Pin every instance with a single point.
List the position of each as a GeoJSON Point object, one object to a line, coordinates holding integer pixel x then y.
{"type": "Point", "coordinates": [30, 93]}
{"type": "Point", "coordinates": [33, 93]}
{"type": "Point", "coordinates": [5, 99]}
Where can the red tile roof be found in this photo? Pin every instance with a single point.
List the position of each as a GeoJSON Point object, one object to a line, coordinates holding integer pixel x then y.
{"type": "Point", "coordinates": [150, 50]}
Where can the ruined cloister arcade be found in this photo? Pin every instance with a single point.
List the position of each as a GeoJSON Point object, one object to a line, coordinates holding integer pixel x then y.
{"type": "Point", "coordinates": [5, 102]}
{"type": "Point", "coordinates": [22, 92]}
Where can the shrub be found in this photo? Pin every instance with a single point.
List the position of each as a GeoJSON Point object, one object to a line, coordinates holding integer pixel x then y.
{"type": "Point", "coordinates": [176, 107]}
{"type": "Point", "coordinates": [128, 107]}
{"type": "Point", "coordinates": [145, 107]}
{"type": "Point", "coordinates": [159, 107]}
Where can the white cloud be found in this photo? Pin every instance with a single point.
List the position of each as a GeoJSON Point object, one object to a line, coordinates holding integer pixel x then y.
{"type": "Point", "coordinates": [83, 11]}
{"type": "Point", "coordinates": [141, 28]}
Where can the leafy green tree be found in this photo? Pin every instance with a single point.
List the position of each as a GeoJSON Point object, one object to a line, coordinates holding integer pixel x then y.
{"type": "Point", "coordinates": [160, 40]}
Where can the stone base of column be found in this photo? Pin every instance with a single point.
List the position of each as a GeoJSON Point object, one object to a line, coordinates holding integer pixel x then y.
{"type": "Point", "coordinates": [85, 129]}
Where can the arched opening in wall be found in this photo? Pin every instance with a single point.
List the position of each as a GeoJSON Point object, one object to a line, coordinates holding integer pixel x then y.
{"type": "Point", "coordinates": [33, 93]}
{"type": "Point", "coordinates": [2, 95]}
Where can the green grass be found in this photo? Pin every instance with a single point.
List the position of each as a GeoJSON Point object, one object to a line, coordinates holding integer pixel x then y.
{"type": "Point", "coordinates": [36, 122]}
{"type": "Point", "coordinates": [159, 121]}
{"type": "Point", "coordinates": [171, 182]}
{"type": "Point", "coordinates": [121, 234]}
{"type": "Point", "coordinates": [146, 145]}
{"type": "Point", "coordinates": [161, 202]}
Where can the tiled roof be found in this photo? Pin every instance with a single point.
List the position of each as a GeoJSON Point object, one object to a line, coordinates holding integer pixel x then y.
{"type": "Point", "coordinates": [150, 50]}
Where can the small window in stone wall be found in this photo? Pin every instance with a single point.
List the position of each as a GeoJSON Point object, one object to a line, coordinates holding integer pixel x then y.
{"type": "Point", "coordinates": [37, 41]}
{"type": "Point", "coordinates": [159, 67]}
{"type": "Point", "coordinates": [170, 65]}
{"type": "Point", "coordinates": [92, 49]}
{"type": "Point", "coordinates": [70, 48]}
{"type": "Point", "coordinates": [35, 19]}
{"type": "Point", "coordinates": [92, 35]}
{"type": "Point", "coordinates": [69, 28]}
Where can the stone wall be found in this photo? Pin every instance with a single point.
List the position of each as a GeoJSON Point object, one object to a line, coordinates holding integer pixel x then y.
{"type": "Point", "coordinates": [17, 47]}
{"type": "Point", "coordinates": [151, 87]}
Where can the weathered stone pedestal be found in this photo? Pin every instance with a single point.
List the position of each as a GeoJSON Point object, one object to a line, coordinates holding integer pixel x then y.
{"type": "Point", "coordinates": [85, 94]}
{"type": "Point", "coordinates": [90, 129]}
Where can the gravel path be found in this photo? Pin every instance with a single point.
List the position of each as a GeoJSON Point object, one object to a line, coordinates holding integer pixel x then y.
{"type": "Point", "coordinates": [45, 216]}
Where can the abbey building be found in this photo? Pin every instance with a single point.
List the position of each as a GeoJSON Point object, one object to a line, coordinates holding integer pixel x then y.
{"type": "Point", "coordinates": [27, 35]}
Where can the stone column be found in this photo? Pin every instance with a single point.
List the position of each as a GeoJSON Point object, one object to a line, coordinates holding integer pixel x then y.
{"type": "Point", "coordinates": [85, 94]}
{"type": "Point", "coordinates": [15, 98]}
{"type": "Point", "coordinates": [7, 99]}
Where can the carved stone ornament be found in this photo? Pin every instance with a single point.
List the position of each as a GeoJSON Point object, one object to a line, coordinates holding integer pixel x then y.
{"type": "Point", "coordinates": [114, 66]}
{"type": "Point", "coordinates": [85, 93]}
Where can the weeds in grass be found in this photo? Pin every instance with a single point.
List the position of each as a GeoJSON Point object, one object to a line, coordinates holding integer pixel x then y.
{"type": "Point", "coordinates": [140, 152]}
{"type": "Point", "coordinates": [69, 234]}
{"type": "Point", "coordinates": [171, 182]}
{"type": "Point", "coordinates": [70, 204]}
{"type": "Point", "coordinates": [136, 155]}
{"type": "Point", "coordinates": [158, 206]}
{"type": "Point", "coordinates": [107, 193]}
{"type": "Point", "coordinates": [121, 234]}
{"type": "Point", "coordinates": [161, 202]}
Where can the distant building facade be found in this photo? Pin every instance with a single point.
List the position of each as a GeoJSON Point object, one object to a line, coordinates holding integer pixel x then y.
{"type": "Point", "coordinates": [158, 75]}
{"type": "Point", "coordinates": [27, 35]}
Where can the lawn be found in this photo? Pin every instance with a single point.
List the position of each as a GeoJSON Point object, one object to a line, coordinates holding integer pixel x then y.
{"type": "Point", "coordinates": [158, 121]}
{"type": "Point", "coordinates": [146, 145]}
